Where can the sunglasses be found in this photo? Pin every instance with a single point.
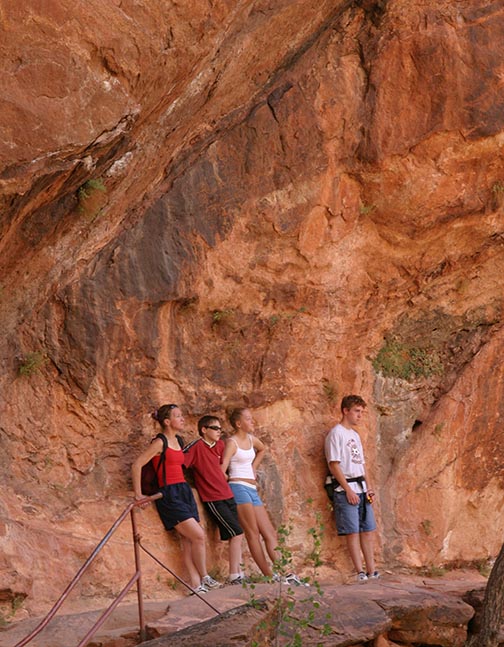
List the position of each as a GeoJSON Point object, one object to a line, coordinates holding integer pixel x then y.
{"type": "Point", "coordinates": [214, 427]}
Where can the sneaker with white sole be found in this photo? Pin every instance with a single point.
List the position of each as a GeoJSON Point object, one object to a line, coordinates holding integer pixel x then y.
{"type": "Point", "coordinates": [292, 578]}
{"type": "Point", "coordinates": [373, 576]}
{"type": "Point", "coordinates": [237, 580]}
{"type": "Point", "coordinates": [362, 577]}
{"type": "Point", "coordinates": [200, 590]}
{"type": "Point", "coordinates": [209, 583]}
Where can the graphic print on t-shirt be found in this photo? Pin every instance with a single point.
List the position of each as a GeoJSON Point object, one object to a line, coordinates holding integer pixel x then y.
{"type": "Point", "coordinates": [354, 451]}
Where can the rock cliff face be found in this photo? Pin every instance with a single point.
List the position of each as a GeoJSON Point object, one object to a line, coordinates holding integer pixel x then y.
{"type": "Point", "coordinates": [253, 202]}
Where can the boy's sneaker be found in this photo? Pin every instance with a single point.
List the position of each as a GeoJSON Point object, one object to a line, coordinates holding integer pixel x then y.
{"type": "Point", "coordinates": [373, 576]}
{"type": "Point", "coordinates": [208, 582]}
{"type": "Point", "coordinates": [292, 578]}
{"type": "Point", "coordinates": [362, 577]}
{"type": "Point", "coordinates": [199, 589]}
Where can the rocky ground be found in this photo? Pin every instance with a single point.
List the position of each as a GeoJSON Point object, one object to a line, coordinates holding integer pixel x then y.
{"type": "Point", "coordinates": [399, 609]}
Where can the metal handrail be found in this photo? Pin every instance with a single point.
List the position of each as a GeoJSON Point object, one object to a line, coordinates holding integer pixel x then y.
{"type": "Point", "coordinates": [177, 578]}
{"type": "Point", "coordinates": [136, 578]}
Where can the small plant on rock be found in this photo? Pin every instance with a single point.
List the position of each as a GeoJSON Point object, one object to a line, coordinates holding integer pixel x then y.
{"type": "Point", "coordinates": [366, 209]}
{"type": "Point", "coordinates": [484, 566]}
{"type": "Point", "coordinates": [406, 361]}
{"type": "Point", "coordinates": [89, 187]}
{"type": "Point", "coordinates": [498, 188]}
{"type": "Point", "coordinates": [89, 203]}
{"type": "Point", "coordinates": [329, 391]}
{"type": "Point", "coordinates": [293, 617]}
{"type": "Point", "coordinates": [32, 363]}
{"type": "Point", "coordinates": [433, 571]}
{"type": "Point", "coordinates": [427, 526]}
{"type": "Point", "coordinates": [17, 602]}
{"type": "Point", "coordinates": [316, 532]}
{"type": "Point", "coordinates": [219, 316]}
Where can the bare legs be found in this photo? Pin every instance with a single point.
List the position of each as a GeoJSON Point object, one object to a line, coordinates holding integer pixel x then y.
{"type": "Point", "coordinates": [361, 544]}
{"type": "Point", "coordinates": [367, 546]}
{"type": "Point", "coordinates": [193, 550]}
{"type": "Point", "coordinates": [192, 537]}
{"type": "Point", "coordinates": [255, 522]}
{"type": "Point", "coordinates": [235, 554]}
{"type": "Point", "coordinates": [267, 532]}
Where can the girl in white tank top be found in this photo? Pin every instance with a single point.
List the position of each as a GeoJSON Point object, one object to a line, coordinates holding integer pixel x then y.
{"type": "Point", "coordinates": [240, 463]}
{"type": "Point", "coordinates": [242, 456]}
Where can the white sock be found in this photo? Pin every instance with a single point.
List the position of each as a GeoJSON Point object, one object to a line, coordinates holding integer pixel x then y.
{"type": "Point", "coordinates": [233, 576]}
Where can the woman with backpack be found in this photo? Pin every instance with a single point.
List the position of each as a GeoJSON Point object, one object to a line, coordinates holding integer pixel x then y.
{"type": "Point", "coordinates": [177, 508]}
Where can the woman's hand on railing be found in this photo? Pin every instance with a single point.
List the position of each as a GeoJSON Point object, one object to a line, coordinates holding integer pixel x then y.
{"type": "Point", "coordinates": [142, 501]}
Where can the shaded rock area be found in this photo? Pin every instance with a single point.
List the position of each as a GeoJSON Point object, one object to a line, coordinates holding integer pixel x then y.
{"type": "Point", "coordinates": [398, 609]}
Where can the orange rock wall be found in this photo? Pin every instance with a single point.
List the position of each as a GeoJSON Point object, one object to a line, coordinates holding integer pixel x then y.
{"type": "Point", "coordinates": [245, 203]}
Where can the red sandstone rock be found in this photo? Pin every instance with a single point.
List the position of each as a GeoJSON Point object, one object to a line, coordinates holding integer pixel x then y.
{"type": "Point", "coordinates": [344, 615]}
{"type": "Point", "coordinates": [287, 190]}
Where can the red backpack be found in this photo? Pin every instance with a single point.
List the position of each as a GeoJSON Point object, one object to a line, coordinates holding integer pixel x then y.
{"type": "Point", "coordinates": [149, 479]}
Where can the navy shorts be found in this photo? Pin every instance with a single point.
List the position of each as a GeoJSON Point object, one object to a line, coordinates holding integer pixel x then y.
{"type": "Point", "coordinates": [352, 519]}
{"type": "Point", "coordinates": [177, 505]}
{"type": "Point", "coordinates": [225, 515]}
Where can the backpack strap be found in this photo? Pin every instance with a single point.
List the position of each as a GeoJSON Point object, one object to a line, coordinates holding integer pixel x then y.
{"type": "Point", "coordinates": [162, 461]}
{"type": "Point", "coordinates": [191, 444]}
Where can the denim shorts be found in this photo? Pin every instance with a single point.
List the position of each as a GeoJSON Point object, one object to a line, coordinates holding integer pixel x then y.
{"type": "Point", "coordinates": [245, 494]}
{"type": "Point", "coordinates": [352, 519]}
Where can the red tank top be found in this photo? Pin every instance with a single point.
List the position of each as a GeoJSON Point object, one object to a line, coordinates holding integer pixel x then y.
{"type": "Point", "coordinates": [174, 459]}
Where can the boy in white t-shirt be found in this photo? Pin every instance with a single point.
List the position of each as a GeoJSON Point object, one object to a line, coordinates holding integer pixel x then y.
{"type": "Point", "coordinates": [352, 496]}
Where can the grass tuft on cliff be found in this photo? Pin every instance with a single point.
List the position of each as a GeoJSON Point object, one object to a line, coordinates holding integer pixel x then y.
{"type": "Point", "coordinates": [397, 359]}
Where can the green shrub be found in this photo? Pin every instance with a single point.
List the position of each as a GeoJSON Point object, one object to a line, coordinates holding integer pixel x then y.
{"type": "Point", "coordinates": [218, 316]}
{"type": "Point", "coordinates": [397, 359]}
{"type": "Point", "coordinates": [365, 209]}
{"type": "Point", "coordinates": [32, 363]}
{"type": "Point", "coordinates": [330, 391]}
{"type": "Point", "coordinates": [90, 205]}
{"type": "Point", "coordinates": [484, 566]}
{"type": "Point", "coordinates": [294, 617]}
{"type": "Point", "coordinates": [433, 571]}
{"type": "Point", "coordinates": [89, 187]}
{"type": "Point", "coordinates": [427, 526]}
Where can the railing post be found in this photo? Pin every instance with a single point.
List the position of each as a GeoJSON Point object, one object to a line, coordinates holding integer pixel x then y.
{"type": "Point", "coordinates": [130, 509]}
{"type": "Point", "coordinates": [136, 541]}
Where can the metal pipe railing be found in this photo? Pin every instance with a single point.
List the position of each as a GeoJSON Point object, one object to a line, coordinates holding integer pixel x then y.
{"type": "Point", "coordinates": [108, 611]}
{"type": "Point", "coordinates": [141, 614]}
{"type": "Point", "coordinates": [136, 578]}
{"type": "Point", "coordinates": [177, 577]}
